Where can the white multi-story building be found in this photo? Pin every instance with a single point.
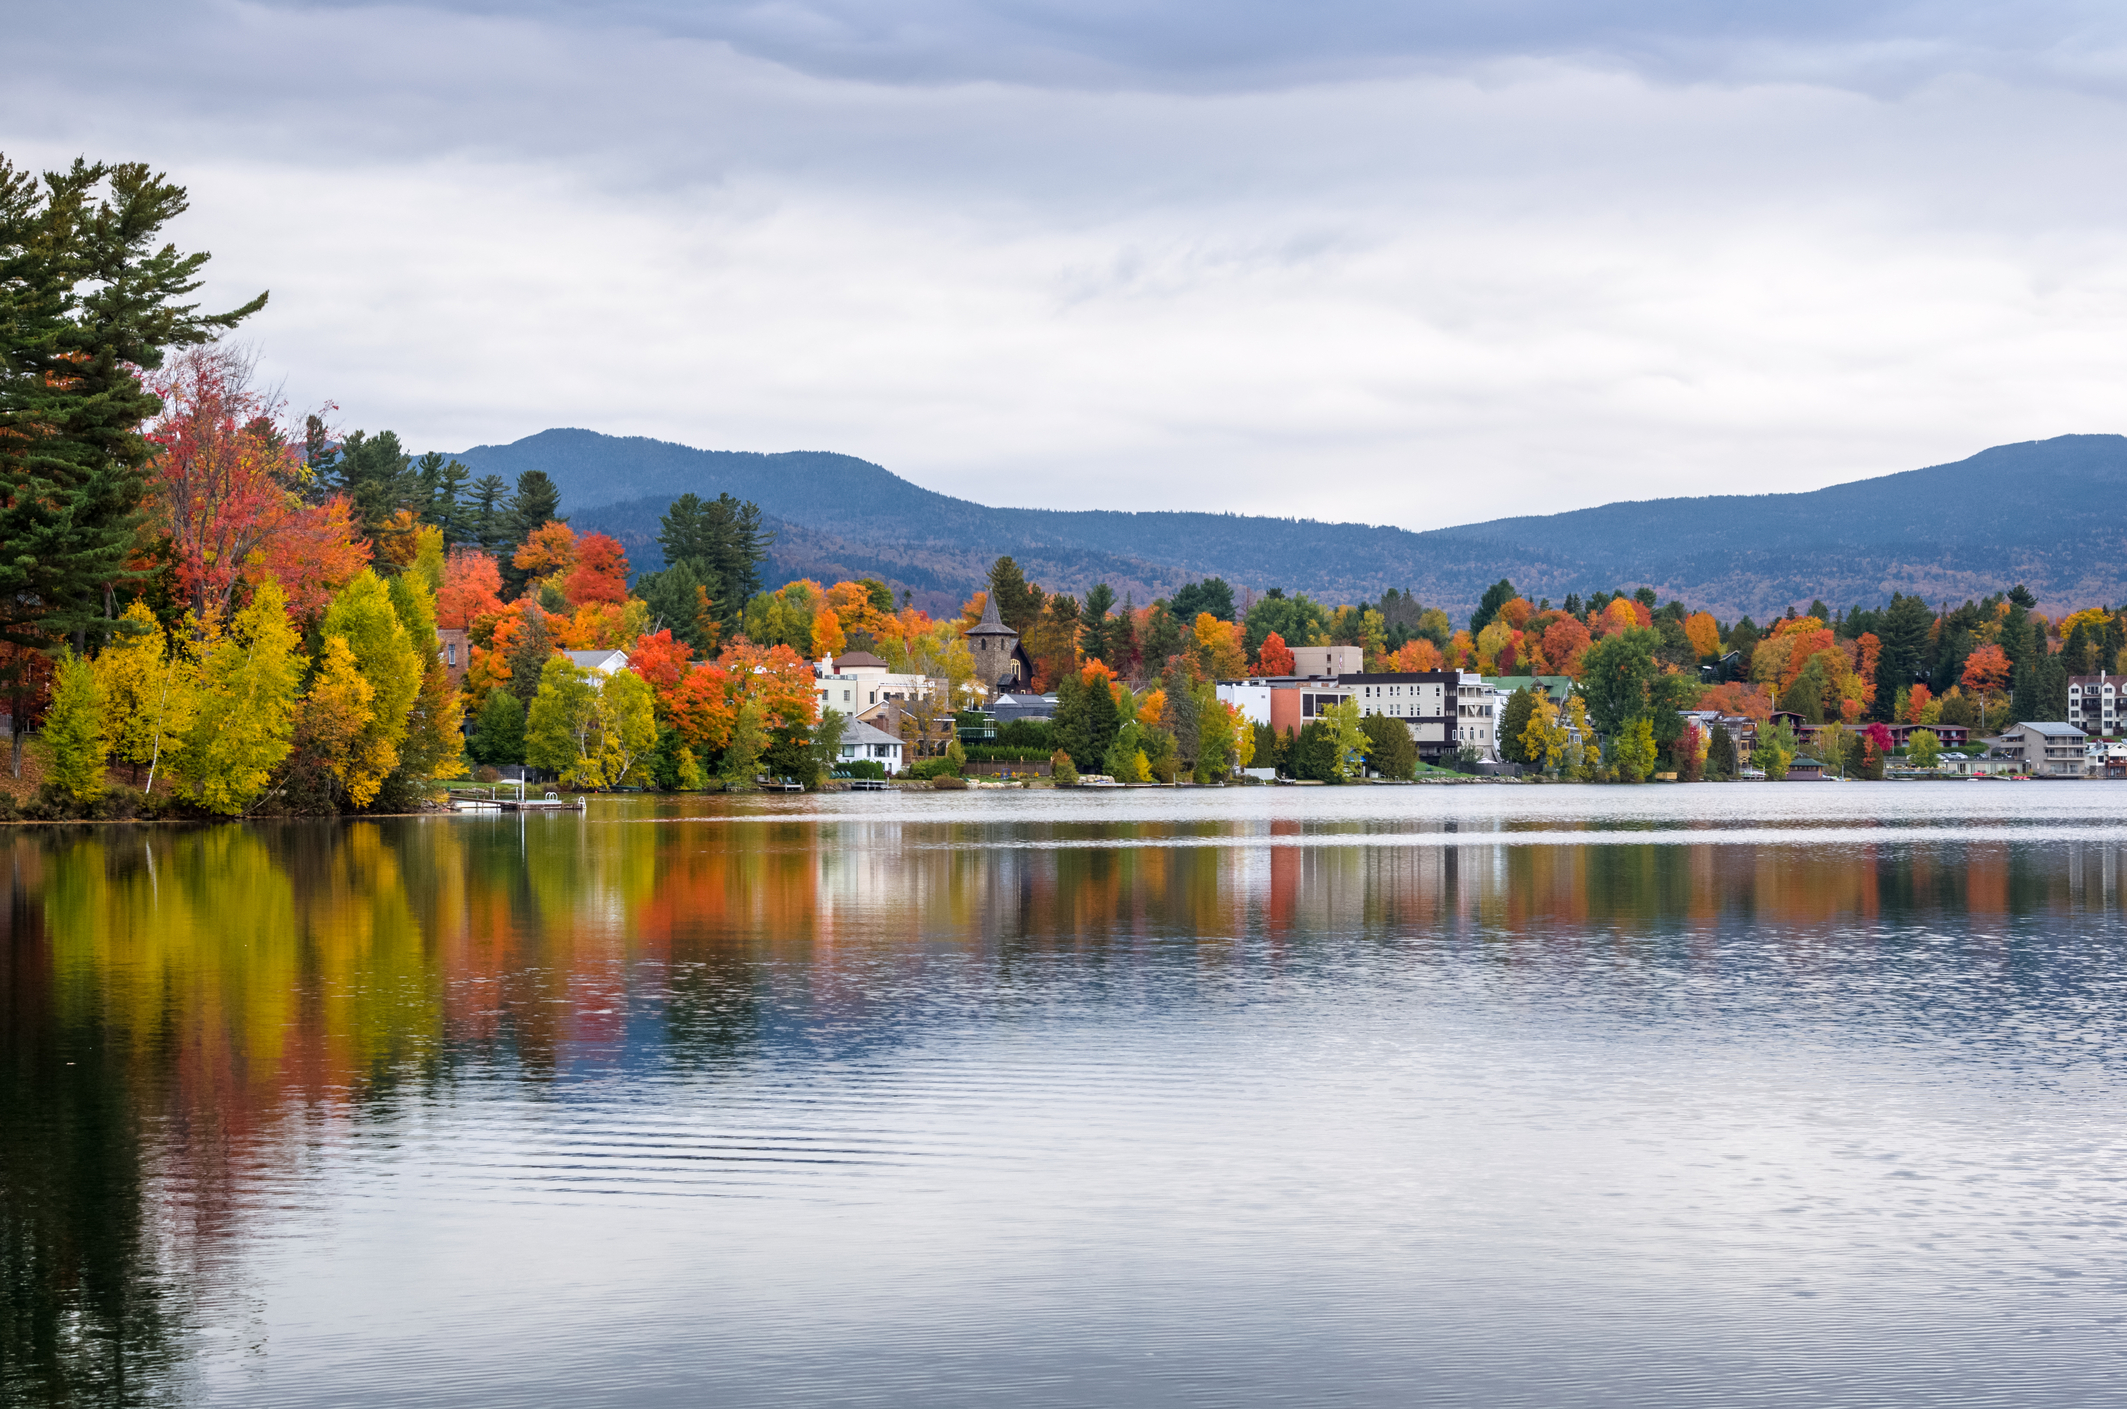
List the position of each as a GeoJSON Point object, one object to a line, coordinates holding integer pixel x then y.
{"type": "Point", "coordinates": [857, 680]}
{"type": "Point", "coordinates": [2097, 704]}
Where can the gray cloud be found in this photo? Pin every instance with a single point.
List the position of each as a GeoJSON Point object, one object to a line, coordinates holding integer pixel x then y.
{"type": "Point", "coordinates": [1414, 264]}
{"type": "Point", "coordinates": [1191, 44]}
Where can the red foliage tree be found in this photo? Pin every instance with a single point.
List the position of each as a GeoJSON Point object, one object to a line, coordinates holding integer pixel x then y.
{"type": "Point", "coordinates": [222, 483]}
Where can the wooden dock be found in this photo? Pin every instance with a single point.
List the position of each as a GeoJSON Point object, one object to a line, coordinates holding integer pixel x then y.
{"type": "Point", "coordinates": [550, 803]}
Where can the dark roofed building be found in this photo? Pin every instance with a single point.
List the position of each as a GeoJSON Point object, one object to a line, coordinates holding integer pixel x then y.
{"type": "Point", "coordinates": [1000, 661]}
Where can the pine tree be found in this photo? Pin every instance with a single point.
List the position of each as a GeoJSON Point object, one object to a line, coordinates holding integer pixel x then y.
{"type": "Point", "coordinates": [488, 515]}
{"type": "Point", "coordinates": [1019, 602]}
{"type": "Point", "coordinates": [87, 301]}
{"type": "Point", "coordinates": [1496, 596]}
{"type": "Point", "coordinates": [1100, 600]}
{"type": "Point", "coordinates": [536, 502]}
{"type": "Point", "coordinates": [528, 656]}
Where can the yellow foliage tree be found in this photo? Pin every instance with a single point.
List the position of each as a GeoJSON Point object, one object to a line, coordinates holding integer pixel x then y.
{"type": "Point", "coordinates": [336, 716]}
{"type": "Point", "coordinates": [363, 616]}
{"type": "Point", "coordinates": [245, 706]}
{"type": "Point", "coordinates": [148, 693]}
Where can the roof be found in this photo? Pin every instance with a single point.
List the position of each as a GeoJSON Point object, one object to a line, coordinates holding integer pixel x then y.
{"type": "Point", "coordinates": [2053, 730]}
{"type": "Point", "coordinates": [862, 659]}
{"type": "Point", "coordinates": [991, 624]}
{"type": "Point", "coordinates": [858, 732]}
{"type": "Point", "coordinates": [599, 660]}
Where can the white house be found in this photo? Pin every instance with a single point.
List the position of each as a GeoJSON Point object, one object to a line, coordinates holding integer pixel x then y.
{"type": "Point", "coordinates": [599, 662]}
{"type": "Point", "coordinates": [862, 742]}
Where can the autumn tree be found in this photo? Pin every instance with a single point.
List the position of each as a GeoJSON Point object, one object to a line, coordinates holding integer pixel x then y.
{"type": "Point", "coordinates": [74, 736]}
{"type": "Point", "coordinates": [598, 572]}
{"type": "Point", "coordinates": [148, 692]}
{"type": "Point", "coordinates": [333, 728]}
{"type": "Point", "coordinates": [244, 712]}
{"type": "Point", "coordinates": [472, 588]}
{"type": "Point", "coordinates": [434, 744]}
{"type": "Point", "coordinates": [562, 724]}
{"type": "Point", "coordinates": [363, 616]}
{"type": "Point", "coordinates": [1273, 657]}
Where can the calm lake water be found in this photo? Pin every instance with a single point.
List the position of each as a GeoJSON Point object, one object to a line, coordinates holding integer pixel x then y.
{"type": "Point", "coordinates": [1780, 1094]}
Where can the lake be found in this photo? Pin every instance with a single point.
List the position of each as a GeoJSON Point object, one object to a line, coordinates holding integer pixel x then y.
{"type": "Point", "coordinates": [1779, 1094]}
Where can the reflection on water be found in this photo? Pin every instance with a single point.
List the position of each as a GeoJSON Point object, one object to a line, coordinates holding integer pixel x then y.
{"type": "Point", "coordinates": [1356, 1095]}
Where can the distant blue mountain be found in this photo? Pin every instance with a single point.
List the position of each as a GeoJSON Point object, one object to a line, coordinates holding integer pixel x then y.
{"type": "Point", "coordinates": [2041, 512]}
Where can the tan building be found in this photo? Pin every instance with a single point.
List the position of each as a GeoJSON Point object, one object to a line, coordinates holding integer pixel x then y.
{"type": "Point", "coordinates": [2045, 750]}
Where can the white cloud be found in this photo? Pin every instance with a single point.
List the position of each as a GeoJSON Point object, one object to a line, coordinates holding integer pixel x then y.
{"type": "Point", "coordinates": [1460, 290]}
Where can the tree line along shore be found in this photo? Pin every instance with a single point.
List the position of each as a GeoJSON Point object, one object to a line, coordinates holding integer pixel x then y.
{"type": "Point", "coordinates": [210, 605]}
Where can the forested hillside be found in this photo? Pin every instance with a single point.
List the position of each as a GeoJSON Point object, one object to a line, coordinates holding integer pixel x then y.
{"type": "Point", "coordinates": [2040, 513]}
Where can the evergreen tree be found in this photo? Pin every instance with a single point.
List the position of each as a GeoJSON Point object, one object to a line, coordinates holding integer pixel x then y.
{"type": "Point", "coordinates": [376, 475]}
{"type": "Point", "coordinates": [1721, 753]}
{"type": "Point", "coordinates": [536, 502]}
{"type": "Point", "coordinates": [1513, 722]}
{"type": "Point", "coordinates": [675, 598]}
{"type": "Point", "coordinates": [2053, 690]}
{"type": "Point", "coordinates": [1904, 634]}
{"type": "Point", "coordinates": [498, 732]}
{"type": "Point", "coordinates": [1391, 752]}
{"type": "Point", "coordinates": [1211, 595]}
{"type": "Point", "coordinates": [441, 487]}
{"type": "Point", "coordinates": [488, 515]}
{"type": "Point", "coordinates": [1019, 602]}
{"type": "Point", "coordinates": [1100, 600]}
{"type": "Point", "coordinates": [722, 544]}
{"type": "Point", "coordinates": [87, 300]}
{"type": "Point", "coordinates": [1496, 596]}
{"type": "Point", "coordinates": [528, 656]}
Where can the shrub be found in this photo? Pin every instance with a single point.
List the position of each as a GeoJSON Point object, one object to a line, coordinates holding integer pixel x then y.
{"type": "Point", "coordinates": [1063, 770]}
{"type": "Point", "coordinates": [928, 768]}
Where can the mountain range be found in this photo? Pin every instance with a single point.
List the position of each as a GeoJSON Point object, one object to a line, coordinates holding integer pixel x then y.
{"type": "Point", "coordinates": [2043, 513]}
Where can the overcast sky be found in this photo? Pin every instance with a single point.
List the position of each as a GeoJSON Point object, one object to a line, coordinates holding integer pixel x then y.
{"type": "Point", "coordinates": [1414, 263]}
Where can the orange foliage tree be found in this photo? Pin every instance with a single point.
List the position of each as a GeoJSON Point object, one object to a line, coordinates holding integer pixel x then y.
{"type": "Point", "coordinates": [1274, 657]}
{"type": "Point", "coordinates": [598, 572]}
{"type": "Point", "coordinates": [472, 588]}
{"type": "Point", "coordinates": [1916, 704]}
{"type": "Point", "coordinates": [1564, 641]}
{"type": "Point", "coordinates": [1704, 633]}
{"type": "Point", "coordinates": [1986, 669]}
{"type": "Point", "coordinates": [549, 552]}
{"type": "Point", "coordinates": [1737, 698]}
{"type": "Point", "coordinates": [1413, 656]}
{"type": "Point", "coordinates": [316, 550]}
{"type": "Point", "coordinates": [222, 487]}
